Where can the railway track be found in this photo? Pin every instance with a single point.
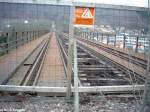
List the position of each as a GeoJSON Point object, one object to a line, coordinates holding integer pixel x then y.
{"type": "Point", "coordinates": [127, 65]}
{"type": "Point", "coordinates": [44, 67]}
{"type": "Point", "coordinates": [126, 61]}
{"type": "Point", "coordinates": [95, 70]}
{"type": "Point", "coordinates": [53, 72]}
{"type": "Point", "coordinates": [24, 75]}
{"type": "Point", "coordinates": [125, 56]}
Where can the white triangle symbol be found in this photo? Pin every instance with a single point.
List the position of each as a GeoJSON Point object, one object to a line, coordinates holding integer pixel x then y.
{"type": "Point", "coordinates": [87, 13]}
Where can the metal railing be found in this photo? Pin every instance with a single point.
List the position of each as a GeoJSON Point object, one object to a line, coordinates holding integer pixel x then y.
{"type": "Point", "coordinates": [5, 47]}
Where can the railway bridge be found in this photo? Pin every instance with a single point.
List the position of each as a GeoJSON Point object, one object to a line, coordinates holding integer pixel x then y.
{"type": "Point", "coordinates": [45, 55]}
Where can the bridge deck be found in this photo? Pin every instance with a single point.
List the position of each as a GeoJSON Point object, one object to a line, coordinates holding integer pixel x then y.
{"type": "Point", "coordinates": [12, 60]}
{"type": "Point", "coordinates": [52, 73]}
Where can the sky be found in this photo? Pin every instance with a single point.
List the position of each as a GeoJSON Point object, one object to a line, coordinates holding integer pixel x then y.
{"type": "Point", "coordinates": [139, 3]}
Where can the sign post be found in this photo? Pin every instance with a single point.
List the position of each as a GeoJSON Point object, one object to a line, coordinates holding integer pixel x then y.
{"type": "Point", "coordinates": [79, 16]}
{"type": "Point", "coordinates": [70, 51]}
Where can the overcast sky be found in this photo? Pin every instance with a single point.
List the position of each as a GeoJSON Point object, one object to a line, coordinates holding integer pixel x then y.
{"type": "Point", "coordinates": [140, 3]}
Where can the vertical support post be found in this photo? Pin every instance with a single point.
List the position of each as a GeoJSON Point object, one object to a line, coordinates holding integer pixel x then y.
{"type": "Point", "coordinates": [107, 39]}
{"type": "Point", "coordinates": [137, 44]}
{"type": "Point", "coordinates": [83, 35]}
{"type": "Point", "coordinates": [97, 36]}
{"type": "Point", "coordinates": [90, 35]}
{"type": "Point", "coordinates": [86, 35]}
{"type": "Point", "coordinates": [38, 34]}
{"type": "Point", "coordinates": [115, 41]}
{"type": "Point", "coordinates": [22, 38]}
{"type": "Point", "coordinates": [124, 42]}
{"type": "Point", "coordinates": [27, 37]}
{"type": "Point", "coordinates": [76, 89]}
{"type": "Point", "coordinates": [30, 36]}
{"type": "Point", "coordinates": [93, 36]}
{"type": "Point", "coordinates": [33, 35]}
{"type": "Point", "coordinates": [102, 38]}
{"type": "Point", "coordinates": [16, 39]}
{"type": "Point", "coordinates": [70, 51]}
{"type": "Point", "coordinates": [7, 48]}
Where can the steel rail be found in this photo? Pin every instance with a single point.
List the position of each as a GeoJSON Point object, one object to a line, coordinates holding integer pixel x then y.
{"type": "Point", "coordinates": [18, 66]}
{"type": "Point", "coordinates": [66, 56]}
{"type": "Point", "coordinates": [122, 55]}
{"type": "Point", "coordinates": [40, 68]}
{"type": "Point", "coordinates": [113, 63]}
{"type": "Point", "coordinates": [63, 55]}
{"type": "Point", "coordinates": [34, 67]}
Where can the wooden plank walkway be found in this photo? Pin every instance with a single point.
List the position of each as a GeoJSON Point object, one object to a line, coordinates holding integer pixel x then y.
{"type": "Point", "coordinates": [52, 73]}
{"type": "Point", "coordinates": [14, 58]}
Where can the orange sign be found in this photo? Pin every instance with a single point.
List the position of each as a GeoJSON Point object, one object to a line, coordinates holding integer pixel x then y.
{"type": "Point", "coordinates": [84, 16]}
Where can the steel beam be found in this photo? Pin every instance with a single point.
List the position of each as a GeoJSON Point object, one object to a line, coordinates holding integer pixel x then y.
{"type": "Point", "coordinates": [76, 84]}
{"type": "Point", "coordinates": [32, 89]}
{"type": "Point", "coordinates": [62, 2]}
{"type": "Point", "coordinates": [90, 89]}
{"type": "Point", "coordinates": [123, 88]}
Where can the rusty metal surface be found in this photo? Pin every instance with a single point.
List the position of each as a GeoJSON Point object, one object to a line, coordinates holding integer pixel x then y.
{"type": "Point", "coordinates": [14, 58]}
{"type": "Point", "coordinates": [52, 73]}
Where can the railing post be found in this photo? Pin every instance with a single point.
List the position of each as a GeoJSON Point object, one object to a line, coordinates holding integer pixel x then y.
{"type": "Point", "coordinates": [124, 42]}
{"type": "Point", "coordinates": [16, 39]}
{"type": "Point", "coordinates": [76, 89]}
{"type": "Point", "coordinates": [115, 41]}
{"type": "Point", "coordinates": [102, 38]}
{"type": "Point", "coordinates": [27, 37]}
{"type": "Point", "coordinates": [97, 35]}
{"type": "Point", "coordinates": [22, 38]}
{"type": "Point", "coordinates": [137, 44]}
{"type": "Point", "coordinates": [107, 39]}
{"type": "Point", "coordinates": [7, 46]}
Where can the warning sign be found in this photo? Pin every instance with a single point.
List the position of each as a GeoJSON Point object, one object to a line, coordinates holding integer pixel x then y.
{"type": "Point", "coordinates": [84, 16]}
{"type": "Point", "coordinates": [87, 13]}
